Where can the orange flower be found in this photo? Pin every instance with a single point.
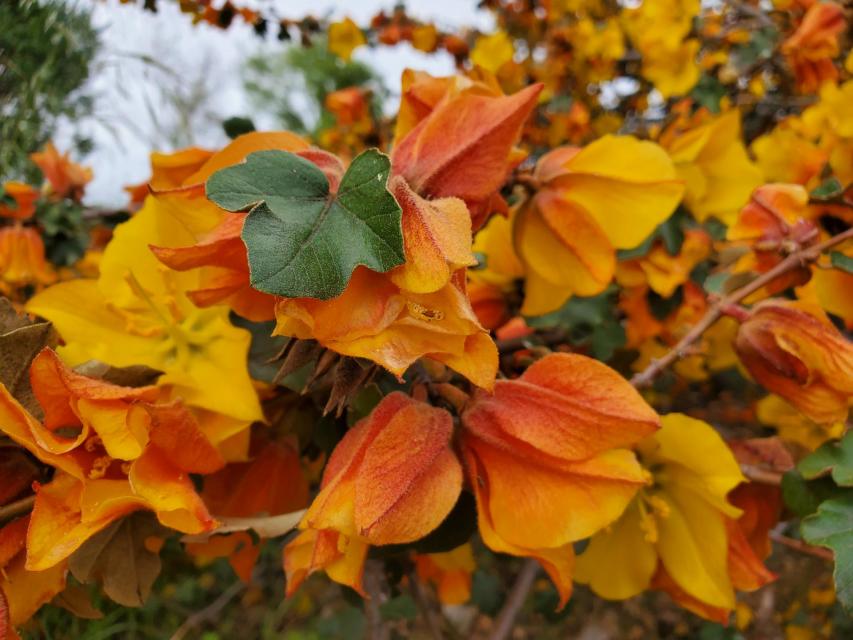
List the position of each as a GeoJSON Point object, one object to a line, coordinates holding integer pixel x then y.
{"type": "Point", "coordinates": [461, 138]}
{"type": "Point", "coordinates": [562, 427]}
{"type": "Point", "coordinates": [349, 105]}
{"type": "Point", "coordinates": [391, 480]}
{"type": "Point", "coordinates": [67, 179]}
{"type": "Point", "coordinates": [775, 222]}
{"type": "Point", "coordinates": [450, 572]}
{"type": "Point", "coordinates": [223, 256]}
{"type": "Point", "coordinates": [375, 319]}
{"type": "Point", "coordinates": [794, 351]}
{"type": "Point", "coordinates": [489, 304]}
{"type": "Point", "coordinates": [115, 452]}
{"type": "Point", "coordinates": [25, 198]}
{"type": "Point", "coordinates": [271, 483]}
{"type": "Point", "coordinates": [178, 184]}
{"type": "Point", "coordinates": [664, 272]}
{"type": "Point", "coordinates": [811, 48]}
{"type": "Point", "coordinates": [22, 260]}
{"type": "Point", "coordinates": [588, 206]}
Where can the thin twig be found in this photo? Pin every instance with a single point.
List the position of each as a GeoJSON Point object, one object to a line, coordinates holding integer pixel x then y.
{"type": "Point", "coordinates": [802, 547]}
{"type": "Point", "coordinates": [549, 338]}
{"type": "Point", "coordinates": [514, 601]}
{"type": "Point", "coordinates": [17, 508]}
{"type": "Point", "coordinates": [796, 259]}
{"type": "Point", "coordinates": [760, 475]}
{"type": "Point", "coordinates": [376, 627]}
{"type": "Point", "coordinates": [433, 624]}
{"type": "Point", "coordinates": [210, 611]}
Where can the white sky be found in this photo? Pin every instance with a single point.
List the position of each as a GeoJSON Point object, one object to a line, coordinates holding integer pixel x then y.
{"type": "Point", "coordinates": [144, 52]}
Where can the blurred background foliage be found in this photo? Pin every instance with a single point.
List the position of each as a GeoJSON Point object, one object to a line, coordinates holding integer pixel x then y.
{"type": "Point", "coordinates": [46, 54]}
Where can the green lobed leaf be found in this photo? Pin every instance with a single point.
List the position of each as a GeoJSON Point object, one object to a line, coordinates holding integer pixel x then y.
{"type": "Point", "coordinates": [832, 527]}
{"type": "Point", "coordinates": [302, 239]}
{"type": "Point", "coordinates": [802, 496]}
{"type": "Point", "coordinates": [835, 458]}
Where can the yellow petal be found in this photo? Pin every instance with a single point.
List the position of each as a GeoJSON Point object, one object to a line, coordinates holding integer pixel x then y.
{"type": "Point", "coordinates": [560, 243]}
{"type": "Point", "coordinates": [700, 459]}
{"type": "Point", "coordinates": [90, 326]}
{"type": "Point", "coordinates": [619, 562]}
{"type": "Point", "coordinates": [693, 546]}
{"type": "Point", "coordinates": [628, 186]}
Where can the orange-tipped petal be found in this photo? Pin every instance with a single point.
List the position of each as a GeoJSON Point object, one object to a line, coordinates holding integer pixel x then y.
{"type": "Point", "coordinates": [175, 431]}
{"type": "Point", "coordinates": [565, 406]}
{"type": "Point", "coordinates": [271, 483]}
{"type": "Point", "coordinates": [58, 525]}
{"type": "Point", "coordinates": [800, 356]}
{"type": "Point", "coordinates": [462, 148]}
{"type": "Point", "coordinates": [408, 480]}
{"type": "Point", "coordinates": [169, 492]}
{"type": "Point", "coordinates": [437, 239]}
{"type": "Point", "coordinates": [25, 198]}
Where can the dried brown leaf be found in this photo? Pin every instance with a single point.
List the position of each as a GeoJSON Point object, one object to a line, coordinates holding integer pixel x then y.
{"type": "Point", "coordinates": [119, 559]}
{"type": "Point", "coordinates": [133, 376]}
{"type": "Point", "coordinates": [78, 601]}
{"type": "Point", "coordinates": [20, 341]}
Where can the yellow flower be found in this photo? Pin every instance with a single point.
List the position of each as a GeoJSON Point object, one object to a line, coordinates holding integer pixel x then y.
{"type": "Point", "coordinates": [492, 52]}
{"type": "Point", "coordinates": [137, 313]}
{"type": "Point", "coordinates": [673, 72]}
{"type": "Point", "coordinates": [793, 426]}
{"type": "Point", "coordinates": [785, 155]}
{"type": "Point", "coordinates": [711, 159]}
{"type": "Point", "coordinates": [678, 520]}
{"type": "Point", "coordinates": [344, 38]}
{"type": "Point", "coordinates": [658, 29]}
{"type": "Point", "coordinates": [609, 195]}
{"type": "Point", "coordinates": [597, 45]}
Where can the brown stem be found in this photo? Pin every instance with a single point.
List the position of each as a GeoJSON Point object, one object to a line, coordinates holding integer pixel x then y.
{"type": "Point", "coordinates": [433, 623]}
{"type": "Point", "coordinates": [514, 601]}
{"type": "Point", "coordinates": [376, 627]}
{"type": "Point", "coordinates": [761, 476]}
{"type": "Point", "coordinates": [210, 612]}
{"type": "Point", "coordinates": [17, 508]}
{"type": "Point", "coordinates": [802, 547]}
{"type": "Point", "coordinates": [549, 338]}
{"type": "Point", "coordinates": [796, 259]}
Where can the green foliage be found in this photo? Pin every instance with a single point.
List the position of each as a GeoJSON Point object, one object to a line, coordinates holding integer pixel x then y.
{"type": "Point", "coordinates": [66, 234]}
{"type": "Point", "coordinates": [804, 496]}
{"type": "Point", "coordinates": [832, 526]}
{"type": "Point", "coordinates": [840, 261]}
{"type": "Point", "coordinates": [834, 458]}
{"type": "Point", "coordinates": [592, 322]}
{"type": "Point", "coordinates": [830, 188]}
{"type": "Point", "coordinates": [400, 608]}
{"type": "Point", "coordinates": [294, 229]}
{"type": "Point", "coordinates": [708, 92]}
{"type": "Point", "coordinates": [46, 50]}
{"type": "Point", "coordinates": [486, 592]}
{"type": "Point", "coordinates": [292, 85]}
{"type": "Point", "coordinates": [820, 492]}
